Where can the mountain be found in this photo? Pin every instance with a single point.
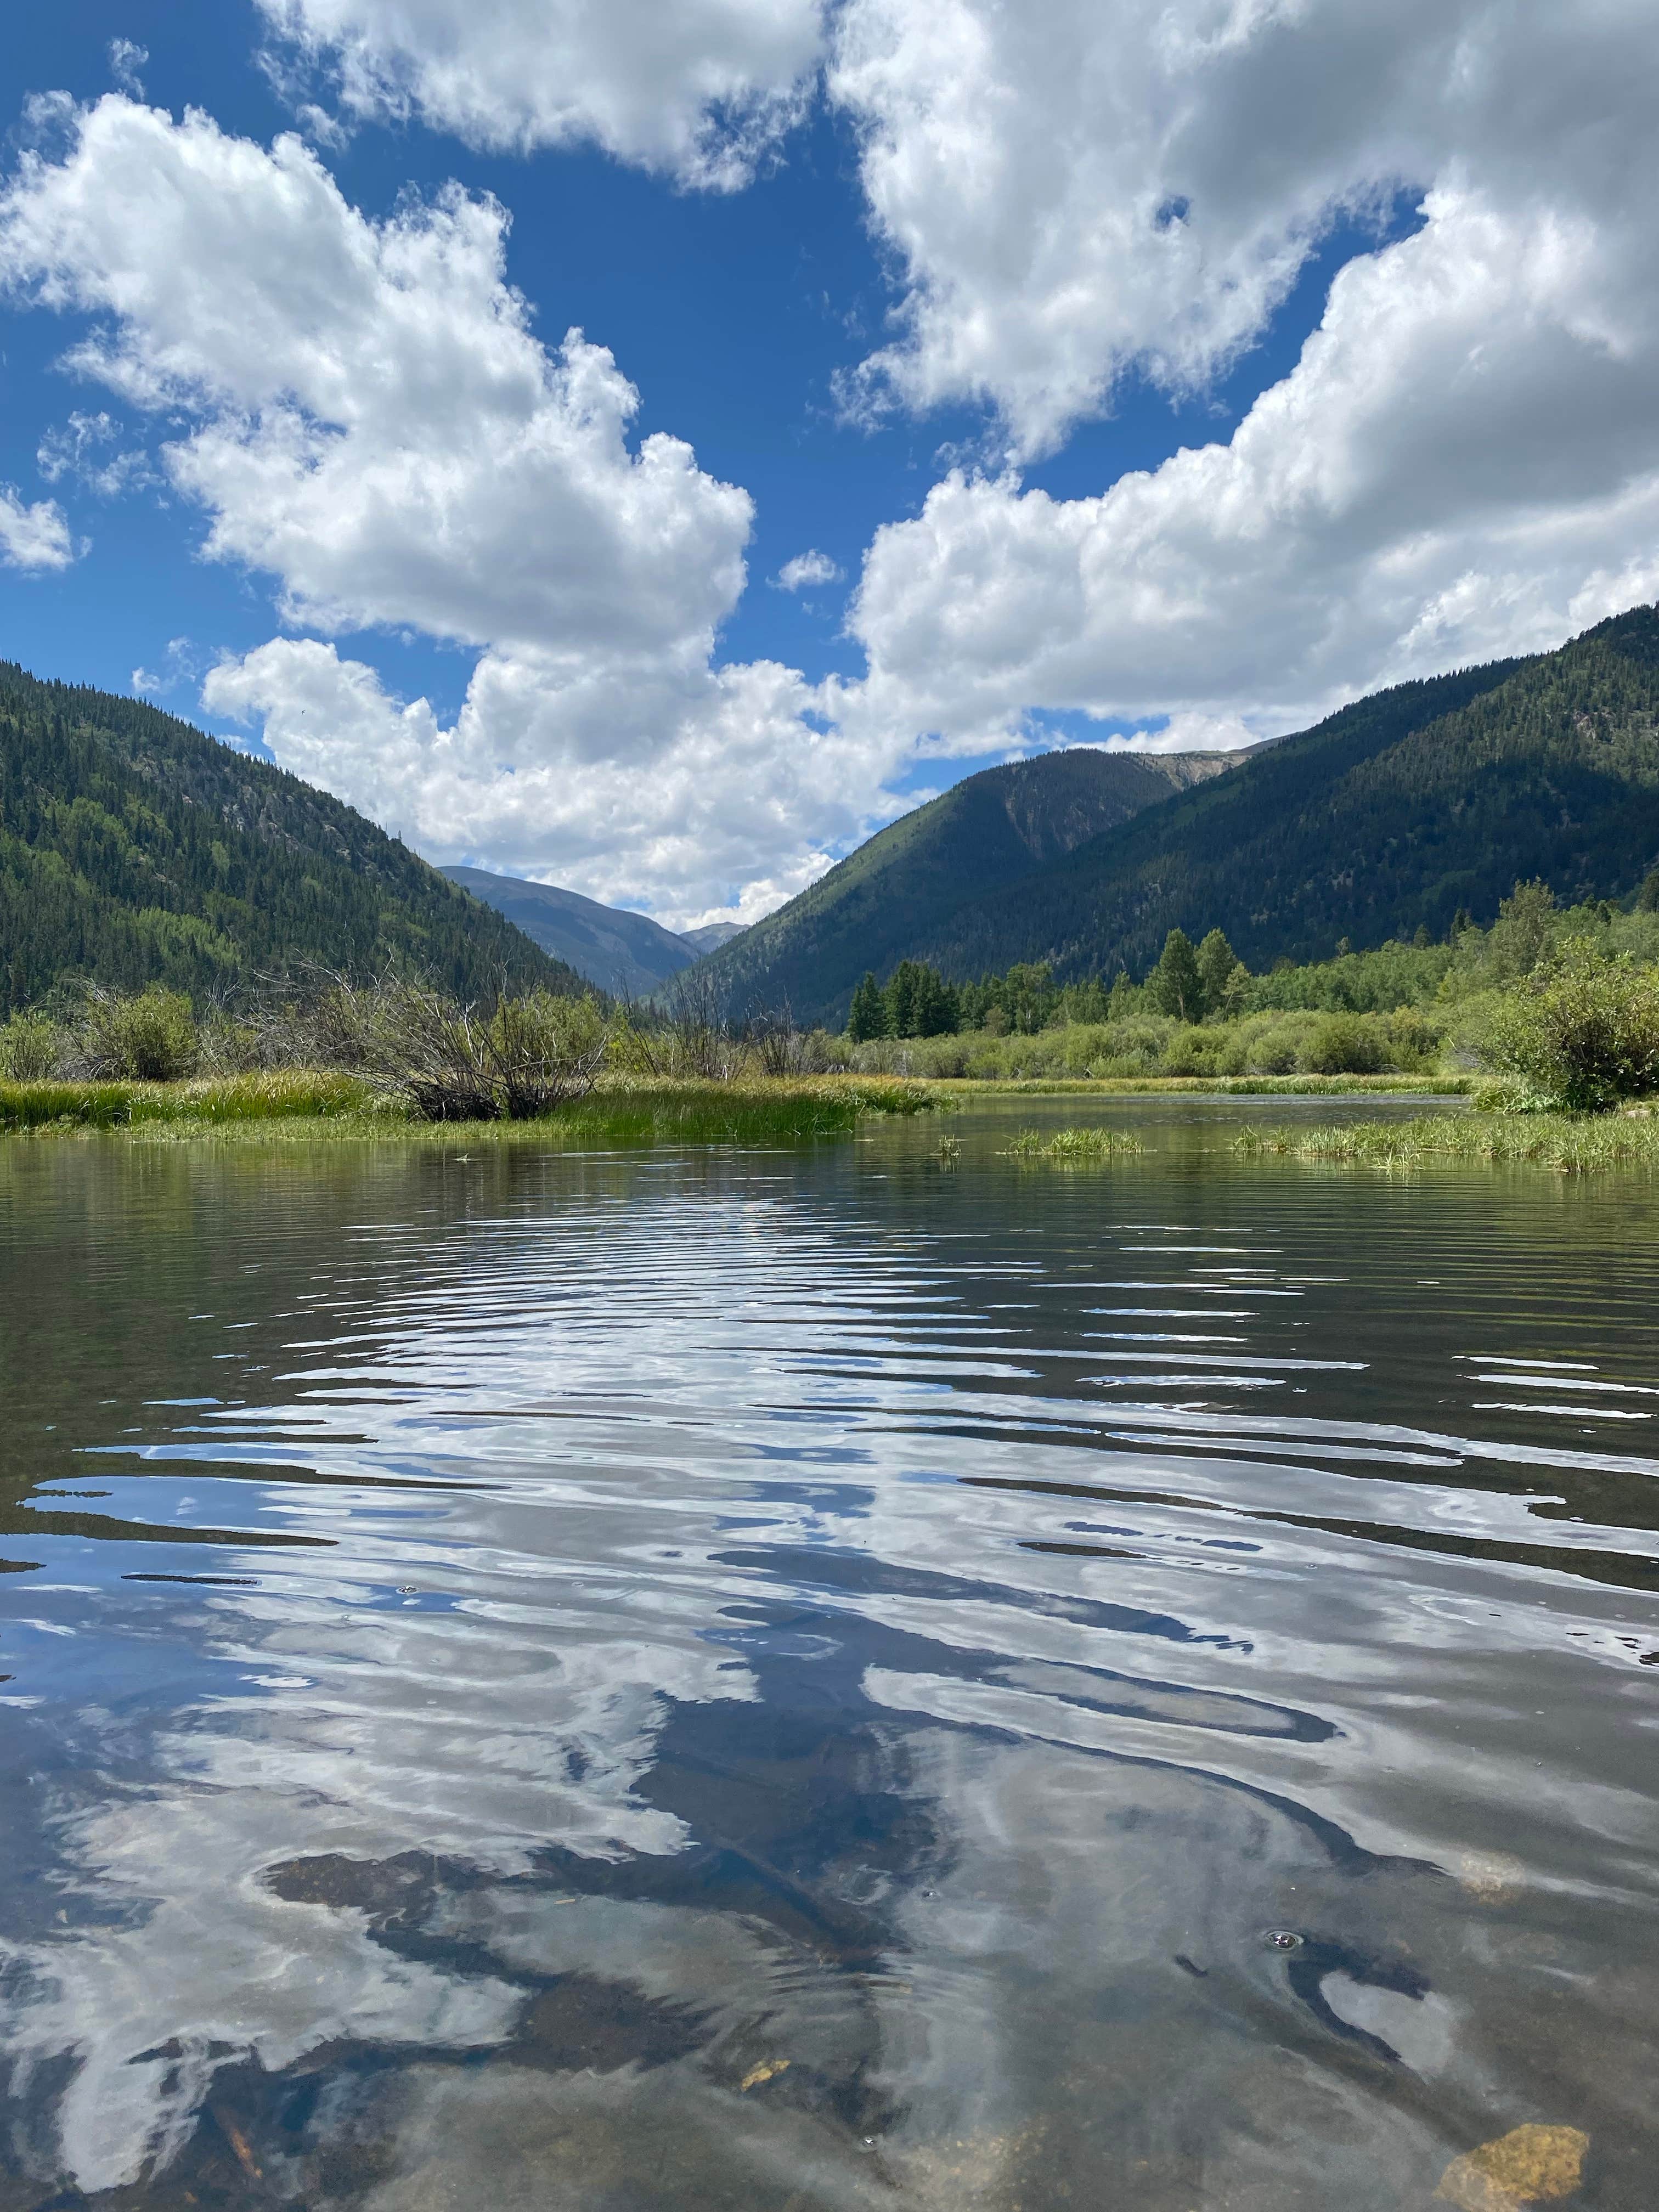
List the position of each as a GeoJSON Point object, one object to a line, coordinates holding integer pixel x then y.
{"type": "Point", "coordinates": [627, 954]}
{"type": "Point", "coordinates": [1387, 818]}
{"type": "Point", "coordinates": [133, 850]}
{"type": "Point", "coordinates": [712, 935]}
{"type": "Point", "coordinates": [1389, 815]}
{"type": "Point", "coordinates": [902, 888]}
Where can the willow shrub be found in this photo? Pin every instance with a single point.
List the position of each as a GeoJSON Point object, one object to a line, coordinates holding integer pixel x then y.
{"type": "Point", "coordinates": [151, 1038]}
{"type": "Point", "coordinates": [31, 1046]}
{"type": "Point", "coordinates": [1582, 1031]}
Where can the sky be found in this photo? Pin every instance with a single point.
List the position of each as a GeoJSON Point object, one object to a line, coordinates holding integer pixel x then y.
{"type": "Point", "coordinates": [647, 445]}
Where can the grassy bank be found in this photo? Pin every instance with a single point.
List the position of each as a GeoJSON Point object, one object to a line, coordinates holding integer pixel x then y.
{"type": "Point", "coordinates": [1570, 1144]}
{"type": "Point", "coordinates": [1216, 1087]}
{"type": "Point", "coordinates": [320, 1105]}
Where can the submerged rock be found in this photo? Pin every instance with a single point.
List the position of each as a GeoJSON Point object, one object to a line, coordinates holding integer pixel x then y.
{"type": "Point", "coordinates": [1531, 2165]}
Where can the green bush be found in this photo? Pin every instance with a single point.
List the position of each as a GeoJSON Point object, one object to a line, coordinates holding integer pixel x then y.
{"type": "Point", "coordinates": [151, 1038]}
{"type": "Point", "coordinates": [1345, 1044]}
{"type": "Point", "coordinates": [1584, 1031]}
{"type": "Point", "coordinates": [29, 1047]}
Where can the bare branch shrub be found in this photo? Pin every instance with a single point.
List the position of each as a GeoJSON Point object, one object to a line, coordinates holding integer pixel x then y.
{"type": "Point", "coordinates": [701, 1044]}
{"type": "Point", "coordinates": [454, 1064]}
{"type": "Point", "coordinates": [773, 1033]}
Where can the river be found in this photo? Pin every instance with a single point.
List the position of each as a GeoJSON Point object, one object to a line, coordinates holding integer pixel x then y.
{"type": "Point", "coordinates": [786, 1680]}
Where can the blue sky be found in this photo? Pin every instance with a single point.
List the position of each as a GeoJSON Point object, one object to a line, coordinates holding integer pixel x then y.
{"type": "Point", "coordinates": [941, 323]}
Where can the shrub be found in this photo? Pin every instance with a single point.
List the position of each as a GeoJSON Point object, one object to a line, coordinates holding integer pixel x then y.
{"type": "Point", "coordinates": [1344, 1044]}
{"type": "Point", "coordinates": [30, 1045]}
{"type": "Point", "coordinates": [1584, 1032]}
{"type": "Point", "coordinates": [150, 1038]}
{"type": "Point", "coordinates": [453, 1064]}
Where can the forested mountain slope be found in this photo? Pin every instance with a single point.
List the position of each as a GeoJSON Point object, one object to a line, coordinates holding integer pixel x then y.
{"type": "Point", "coordinates": [626, 954]}
{"type": "Point", "coordinates": [1388, 817]}
{"type": "Point", "coordinates": [134, 849]}
{"type": "Point", "coordinates": [903, 888]}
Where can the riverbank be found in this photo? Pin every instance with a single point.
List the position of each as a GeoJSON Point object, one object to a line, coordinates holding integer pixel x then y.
{"type": "Point", "coordinates": [1208, 1086]}
{"type": "Point", "coordinates": [320, 1105]}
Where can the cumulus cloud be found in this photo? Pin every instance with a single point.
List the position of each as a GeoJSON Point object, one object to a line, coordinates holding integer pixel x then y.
{"type": "Point", "coordinates": [612, 777]}
{"type": "Point", "coordinates": [806, 570]}
{"type": "Point", "coordinates": [699, 90]}
{"type": "Point", "coordinates": [1073, 190]}
{"type": "Point", "coordinates": [1464, 463]}
{"type": "Point", "coordinates": [126, 58]}
{"type": "Point", "coordinates": [36, 537]}
{"type": "Point", "coordinates": [368, 418]}
{"type": "Point", "coordinates": [375, 424]}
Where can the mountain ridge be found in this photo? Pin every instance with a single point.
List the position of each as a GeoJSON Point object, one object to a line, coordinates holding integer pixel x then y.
{"type": "Point", "coordinates": [870, 909]}
{"type": "Point", "coordinates": [1387, 815]}
{"type": "Point", "coordinates": [135, 849]}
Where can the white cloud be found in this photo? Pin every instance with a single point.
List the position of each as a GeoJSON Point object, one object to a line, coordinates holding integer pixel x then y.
{"type": "Point", "coordinates": [126, 58]}
{"type": "Point", "coordinates": [368, 418]}
{"type": "Point", "coordinates": [81, 449]}
{"type": "Point", "coordinates": [806, 570]}
{"type": "Point", "coordinates": [183, 665]}
{"type": "Point", "coordinates": [36, 537]}
{"type": "Point", "coordinates": [700, 89]}
{"type": "Point", "coordinates": [376, 423]}
{"type": "Point", "coordinates": [688, 783]}
{"type": "Point", "coordinates": [1464, 463]}
{"type": "Point", "coordinates": [1072, 191]}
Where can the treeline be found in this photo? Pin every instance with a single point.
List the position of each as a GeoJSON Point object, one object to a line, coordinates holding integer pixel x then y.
{"type": "Point", "coordinates": [133, 850]}
{"type": "Point", "coordinates": [1393, 815]}
{"type": "Point", "coordinates": [1207, 982]}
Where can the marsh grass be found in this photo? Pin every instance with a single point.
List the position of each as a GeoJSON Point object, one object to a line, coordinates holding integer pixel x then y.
{"type": "Point", "coordinates": [317, 1103]}
{"type": "Point", "coordinates": [1569, 1143]}
{"type": "Point", "coordinates": [288, 1094]}
{"type": "Point", "coordinates": [1072, 1147]}
{"type": "Point", "coordinates": [1207, 1086]}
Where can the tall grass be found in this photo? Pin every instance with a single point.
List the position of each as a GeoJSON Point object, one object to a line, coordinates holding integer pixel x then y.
{"type": "Point", "coordinates": [1569, 1143]}
{"type": "Point", "coordinates": [620, 1111]}
{"type": "Point", "coordinates": [1072, 1147]}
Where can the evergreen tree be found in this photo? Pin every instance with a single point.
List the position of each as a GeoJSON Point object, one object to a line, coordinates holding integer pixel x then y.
{"type": "Point", "coordinates": [868, 1016]}
{"type": "Point", "coordinates": [1175, 985]}
{"type": "Point", "coordinates": [936, 1011]}
{"type": "Point", "coordinates": [1647, 899]}
{"type": "Point", "coordinates": [1221, 973]}
{"type": "Point", "coordinates": [902, 988]}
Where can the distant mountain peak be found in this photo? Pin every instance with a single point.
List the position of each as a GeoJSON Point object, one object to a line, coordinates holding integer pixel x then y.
{"type": "Point", "coordinates": [711, 936]}
{"type": "Point", "coordinates": [628, 955]}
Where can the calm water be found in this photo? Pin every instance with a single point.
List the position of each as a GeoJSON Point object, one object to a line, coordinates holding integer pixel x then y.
{"type": "Point", "coordinates": [801, 1679]}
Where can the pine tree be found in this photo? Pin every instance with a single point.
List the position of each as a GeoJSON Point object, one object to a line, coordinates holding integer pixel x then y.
{"type": "Point", "coordinates": [1221, 973]}
{"type": "Point", "coordinates": [868, 1016]}
{"type": "Point", "coordinates": [936, 1013]}
{"type": "Point", "coordinates": [902, 988]}
{"type": "Point", "coordinates": [1176, 984]}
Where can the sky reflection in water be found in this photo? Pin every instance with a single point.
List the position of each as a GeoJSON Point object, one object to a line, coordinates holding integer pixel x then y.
{"type": "Point", "coordinates": [809, 1679]}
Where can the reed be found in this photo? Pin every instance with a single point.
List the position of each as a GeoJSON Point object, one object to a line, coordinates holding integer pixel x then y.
{"type": "Point", "coordinates": [1569, 1143]}
{"type": "Point", "coordinates": [1072, 1147]}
